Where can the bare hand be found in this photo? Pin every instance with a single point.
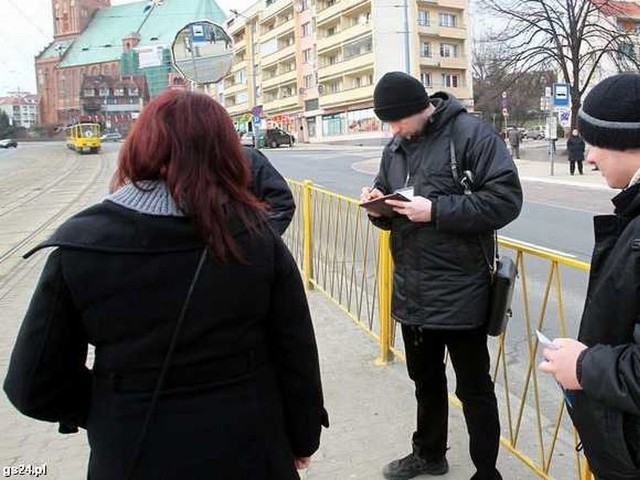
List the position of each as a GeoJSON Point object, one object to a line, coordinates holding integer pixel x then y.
{"type": "Point", "coordinates": [367, 194]}
{"type": "Point", "coordinates": [561, 362]}
{"type": "Point", "coordinates": [302, 462]}
{"type": "Point", "coordinates": [417, 210]}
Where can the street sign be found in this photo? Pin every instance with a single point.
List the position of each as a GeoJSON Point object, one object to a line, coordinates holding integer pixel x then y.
{"type": "Point", "coordinates": [257, 121]}
{"type": "Point", "coordinates": [197, 33]}
{"type": "Point", "coordinates": [565, 118]}
{"type": "Point", "coordinates": [560, 94]}
{"type": "Point", "coordinates": [505, 112]}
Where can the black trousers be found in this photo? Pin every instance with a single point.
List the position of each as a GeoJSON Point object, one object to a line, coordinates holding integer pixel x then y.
{"type": "Point", "coordinates": [572, 166]}
{"type": "Point", "coordinates": [469, 355]}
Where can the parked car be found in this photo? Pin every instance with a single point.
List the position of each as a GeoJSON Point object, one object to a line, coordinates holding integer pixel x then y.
{"type": "Point", "coordinates": [111, 137]}
{"type": "Point", "coordinates": [274, 137]}
{"type": "Point", "coordinates": [248, 139]}
{"type": "Point", "coordinates": [537, 133]}
{"type": "Point", "coordinates": [9, 142]}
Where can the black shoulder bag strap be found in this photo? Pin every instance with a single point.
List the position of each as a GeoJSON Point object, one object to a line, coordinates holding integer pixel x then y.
{"type": "Point", "coordinates": [165, 367]}
{"type": "Point", "coordinates": [466, 181]}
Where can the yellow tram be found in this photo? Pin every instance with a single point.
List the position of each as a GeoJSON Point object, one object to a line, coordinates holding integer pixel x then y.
{"type": "Point", "coordinates": [84, 137]}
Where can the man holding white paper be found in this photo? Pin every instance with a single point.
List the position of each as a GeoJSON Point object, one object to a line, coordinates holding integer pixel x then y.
{"type": "Point", "coordinates": [601, 370]}
{"type": "Point", "coordinates": [442, 244]}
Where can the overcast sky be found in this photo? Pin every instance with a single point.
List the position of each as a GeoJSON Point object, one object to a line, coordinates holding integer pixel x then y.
{"type": "Point", "coordinates": [27, 28]}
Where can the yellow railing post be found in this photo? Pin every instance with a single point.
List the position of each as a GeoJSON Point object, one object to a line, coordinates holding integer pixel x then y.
{"type": "Point", "coordinates": [587, 472]}
{"type": "Point", "coordinates": [307, 263]}
{"type": "Point", "coordinates": [384, 298]}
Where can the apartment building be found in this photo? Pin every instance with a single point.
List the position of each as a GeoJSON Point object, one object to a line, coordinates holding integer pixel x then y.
{"type": "Point", "coordinates": [21, 108]}
{"type": "Point", "coordinates": [310, 66]}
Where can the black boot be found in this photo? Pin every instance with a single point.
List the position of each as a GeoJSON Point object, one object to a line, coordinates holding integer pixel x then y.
{"type": "Point", "coordinates": [412, 466]}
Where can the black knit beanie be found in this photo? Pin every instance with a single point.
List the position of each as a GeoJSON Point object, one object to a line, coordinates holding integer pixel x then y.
{"type": "Point", "coordinates": [397, 96]}
{"type": "Point", "coordinates": [610, 114]}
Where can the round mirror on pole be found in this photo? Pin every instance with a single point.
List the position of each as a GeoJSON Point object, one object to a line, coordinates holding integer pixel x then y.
{"type": "Point", "coordinates": [202, 52]}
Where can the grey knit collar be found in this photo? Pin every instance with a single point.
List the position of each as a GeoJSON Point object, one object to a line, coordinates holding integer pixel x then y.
{"type": "Point", "coordinates": [150, 196]}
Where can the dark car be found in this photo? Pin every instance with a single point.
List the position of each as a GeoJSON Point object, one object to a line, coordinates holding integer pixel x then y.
{"type": "Point", "coordinates": [274, 137]}
{"type": "Point", "coordinates": [111, 137]}
{"type": "Point", "coordinates": [8, 142]}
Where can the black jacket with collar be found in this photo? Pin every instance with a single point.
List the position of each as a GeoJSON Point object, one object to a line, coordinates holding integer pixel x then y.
{"type": "Point", "coordinates": [441, 277]}
{"type": "Point", "coordinates": [606, 412]}
{"type": "Point", "coordinates": [243, 393]}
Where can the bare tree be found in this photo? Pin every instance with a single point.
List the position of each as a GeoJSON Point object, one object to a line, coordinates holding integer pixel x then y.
{"type": "Point", "coordinates": [571, 36]}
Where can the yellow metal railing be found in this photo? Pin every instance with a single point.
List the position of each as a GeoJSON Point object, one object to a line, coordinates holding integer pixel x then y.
{"type": "Point", "coordinates": [346, 258]}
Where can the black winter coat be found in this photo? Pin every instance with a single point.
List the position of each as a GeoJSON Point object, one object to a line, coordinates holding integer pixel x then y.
{"type": "Point", "coordinates": [606, 412]}
{"type": "Point", "coordinates": [441, 277]}
{"type": "Point", "coordinates": [575, 148]}
{"type": "Point", "coordinates": [268, 185]}
{"type": "Point", "coordinates": [242, 395]}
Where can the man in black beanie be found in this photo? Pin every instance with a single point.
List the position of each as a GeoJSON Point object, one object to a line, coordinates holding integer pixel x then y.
{"type": "Point", "coordinates": [601, 370]}
{"type": "Point", "coordinates": [462, 185]}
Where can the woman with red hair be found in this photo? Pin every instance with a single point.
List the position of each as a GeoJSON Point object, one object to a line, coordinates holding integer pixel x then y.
{"type": "Point", "coordinates": [206, 364]}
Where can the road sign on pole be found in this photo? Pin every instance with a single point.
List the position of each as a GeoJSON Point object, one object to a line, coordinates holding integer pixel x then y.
{"type": "Point", "coordinates": [560, 95]}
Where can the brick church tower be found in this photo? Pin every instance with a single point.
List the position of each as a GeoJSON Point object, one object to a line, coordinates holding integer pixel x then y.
{"type": "Point", "coordinates": [70, 17]}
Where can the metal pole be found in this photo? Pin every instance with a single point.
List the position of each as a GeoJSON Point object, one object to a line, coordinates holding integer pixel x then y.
{"type": "Point", "coordinates": [307, 262]}
{"type": "Point", "coordinates": [407, 59]}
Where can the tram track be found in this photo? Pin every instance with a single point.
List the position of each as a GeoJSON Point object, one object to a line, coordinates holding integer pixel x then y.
{"type": "Point", "coordinates": [12, 275]}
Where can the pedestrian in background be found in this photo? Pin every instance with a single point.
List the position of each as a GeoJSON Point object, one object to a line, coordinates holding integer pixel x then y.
{"type": "Point", "coordinates": [600, 370]}
{"type": "Point", "coordinates": [179, 258]}
{"type": "Point", "coordinates": [515, 138]}
{"type": "Point", "coordinates": [575, 149]}
{"type": "Point", "coordinates": [442, 240]}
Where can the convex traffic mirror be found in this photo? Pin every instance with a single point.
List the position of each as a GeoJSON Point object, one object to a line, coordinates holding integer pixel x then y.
{"type": "Point", "coordinates": [202, 52]}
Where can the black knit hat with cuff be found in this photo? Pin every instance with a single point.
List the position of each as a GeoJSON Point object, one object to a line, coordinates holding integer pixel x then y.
{"type": "Point", "coordinates": [610, 114]}
{"type": "Point", "coordinates": [397, 96]}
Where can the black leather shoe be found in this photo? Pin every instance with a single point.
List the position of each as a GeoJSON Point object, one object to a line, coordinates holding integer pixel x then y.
{"type": "Point", "coordinates": [412, 466]}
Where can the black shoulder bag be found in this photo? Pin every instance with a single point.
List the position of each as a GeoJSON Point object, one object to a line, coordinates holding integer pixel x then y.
{"type": "Point", "coordinates": [502, 269]}
{"type": "Point", "coordinates": [165, 367]}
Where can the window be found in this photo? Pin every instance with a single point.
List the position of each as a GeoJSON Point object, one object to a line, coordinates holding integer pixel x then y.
{"type": "Point", "coordinates": [448, 50]}
{"type": "Point", "coordinates": [423, 18]}
{"type": "Point", "coordinates": [359, 47]}
{"type": "Point", "coordinates": [425, 49]}
{"type": "Point", "coordinates": [306, 29]}
{"type": "Point", "coordinates": [88, 92]}
{"type": "Point", "coordinates": [331, 31]}
{"type": "Point", "coordinates": [118, 92]}
{"type": "Point", "coordinates": [425, 78]}
{"type": "Point", "coordinates": [104, 92]}
{"type": "Point", "coordinates": [308, 81]}
{"type": "Point", "coordinates": [447, 19]}
{"type": "Point", "coordinates": [239, 77]}
{"type": "Point", "coordinates": [307, 56]}
{"type": "Point", "coordinates": [450, 81]}
{"type": "Point", "coordinates": [304, 5]}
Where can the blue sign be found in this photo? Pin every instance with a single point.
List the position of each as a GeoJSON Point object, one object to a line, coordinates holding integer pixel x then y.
{"type": "Point", "coordinates": [257, 120]}
{"type": "Point", "coordinates": [197, 33]}
{"type": "Point", "coordinates": [560, 94]}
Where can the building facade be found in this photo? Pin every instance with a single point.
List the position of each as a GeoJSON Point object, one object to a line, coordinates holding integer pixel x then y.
{"type": "Point", "coordinates": [22, 109]}
{"type": "Point", "coordinates": [310, 66]}
{"type": "Point", "coordinates": [127, 46]}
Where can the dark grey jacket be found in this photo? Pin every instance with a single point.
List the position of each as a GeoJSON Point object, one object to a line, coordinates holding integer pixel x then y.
{"type": "Point", "coordinates": [606, 412]}
{"type": "Point", "coordinates": [268, 185]}
{"type": "Point", "coordinates": [441, 277]}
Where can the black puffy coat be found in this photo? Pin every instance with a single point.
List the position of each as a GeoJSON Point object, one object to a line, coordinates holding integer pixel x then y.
{"type": "Point", "coordinates": [575, 148]}
{"type": "Point", "coordinates": [606, 412]}
{"type": "Point", "coordinates": [242, 395]}
{"type": "Point", "coordinates": [268, 185]}
{"type": "Point", "coordinates": [441, 277]}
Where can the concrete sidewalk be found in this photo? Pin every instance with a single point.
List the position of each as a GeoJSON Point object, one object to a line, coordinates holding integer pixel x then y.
{"type": "Point", "coordinates": [372, 408]}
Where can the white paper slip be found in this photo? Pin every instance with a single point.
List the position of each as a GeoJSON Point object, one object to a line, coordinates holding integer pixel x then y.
{"type": "Point", "coordinates": [544, 340]}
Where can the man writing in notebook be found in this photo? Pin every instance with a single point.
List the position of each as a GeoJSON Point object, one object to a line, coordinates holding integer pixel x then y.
{"type": "Point", "coordinates": [442, 245]}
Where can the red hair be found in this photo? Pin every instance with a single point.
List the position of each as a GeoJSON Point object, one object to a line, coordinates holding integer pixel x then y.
{"type": "Point", "coordinates": [188, 140]}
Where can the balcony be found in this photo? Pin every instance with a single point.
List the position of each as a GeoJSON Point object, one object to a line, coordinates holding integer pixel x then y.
{"type": "Point", "coordinates": [459, 63]}
{"type": "Point", "coordinates": [278, 56]}
{"type": "Point", "coordinates": [282, 104]}
{"type": "Point", "coordinates": [455, 4]}
{"type": "Point", "coordinates": [342, 37]}
{"type": "Point", "coordinates": [274, 9]}
{"type": "Point", "coordinates": [458, 33]}
{"type": "Point", "coordinates": [340, 7]}
{"type": "Point", "coordinates": [347, 97]}
{"type": "Point", "coordinates": [238, 108]}
{"type": "Point", "coordinates": [429, 61]}
{"type": "Point", "coordinates": [235, 88]}
{"type": "Point", "coordinates": [345, 67]}
{"type": "Point", "coordinates": [240, 45]}
{"type": "Point", "coordinates": [280, 79]}
{"type": "Point", "coordinates": [278, 31]}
